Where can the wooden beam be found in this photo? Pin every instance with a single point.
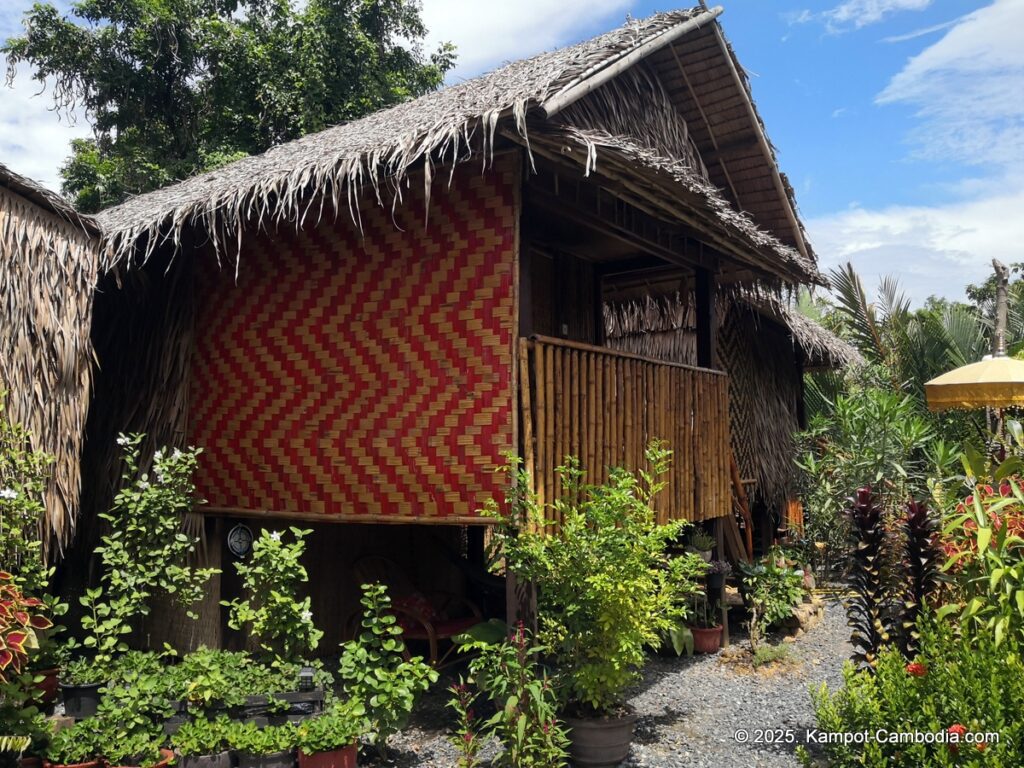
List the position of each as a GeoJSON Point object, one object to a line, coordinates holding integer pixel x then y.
{"type": "Point", "coordinates": [707, 330]}
{"type": "Point", "coordinates": [707, 122]}
{"type": "Point", "coordinates": [766, 150]}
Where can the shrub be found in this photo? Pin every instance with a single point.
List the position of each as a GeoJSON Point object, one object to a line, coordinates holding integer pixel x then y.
{"type": "Point", "coordinates": [604, 580]}
{"type": "Point", "coordinates": [375, 673]}
{"type": "Point", "coordinates": [273, 613]}
{"type": "Point", "coordinates": [525, 722]}
{"type": "Point", "coordinates": [868, 609]}
{"type": "Point", "coordinates": [957, 683]}
{"type": "Point", "coordinates": [772, 589]}
{"type": "Point", "coordinates": [339, 727]}
{"type": "Point", "coordinates": [984, 539]}
{"type": "Point", "coordinates": [253, 740]}
{"type": "Point", "coordinates": [202, 736]}
{"type": "Point", "coordinates": [872, 437]}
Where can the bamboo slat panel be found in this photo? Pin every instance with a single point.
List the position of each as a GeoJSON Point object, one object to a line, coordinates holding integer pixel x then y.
{"type": "Point", "coordinates": [364, 375]}
{"type": "Point", "coordinates": [604, 407]}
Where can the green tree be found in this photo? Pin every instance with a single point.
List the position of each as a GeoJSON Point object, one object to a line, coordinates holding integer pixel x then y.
{"type": "Point", "coordinates": [175, 87]}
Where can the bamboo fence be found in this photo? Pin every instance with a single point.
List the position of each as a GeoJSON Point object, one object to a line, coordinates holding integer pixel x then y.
{"type": "Point", "coordinates": [604, 407]}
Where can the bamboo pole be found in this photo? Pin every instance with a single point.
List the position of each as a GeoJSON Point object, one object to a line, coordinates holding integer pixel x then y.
{"type": "Point", "coordinates": [527, 412]}
{"type": "Point", "coordinates": [538, 353]}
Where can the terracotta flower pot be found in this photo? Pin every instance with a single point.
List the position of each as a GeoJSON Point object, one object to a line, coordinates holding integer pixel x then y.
{"type": "Point", "coordinates": [707, 639]}
{"type": "Point", "coordinates": [274, 760]}
{"type": "Point", "coordinates": [600, 742]}
{"type": "Point", "coordinates": [165, 759]}
{"type": "Point", "coordinates": [81, 701]}
{"type": "Point", "coordinates": [338, 758]}
{"type": "Point", "coordinates": [90, 764]}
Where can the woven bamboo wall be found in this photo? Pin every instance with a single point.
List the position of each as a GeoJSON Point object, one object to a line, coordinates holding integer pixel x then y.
{"type": "Point", "coordinates": [367, 377]}
{"type": "Point", "coordinates": [604, 407]}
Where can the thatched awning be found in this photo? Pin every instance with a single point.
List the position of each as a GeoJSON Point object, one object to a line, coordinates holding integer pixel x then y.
{"type": "Point", "coordinates": [48, 267]}
{"type": "Point", "coordinates": [326, 172]}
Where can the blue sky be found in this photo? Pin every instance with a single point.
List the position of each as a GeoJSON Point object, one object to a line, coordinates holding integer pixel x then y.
{"type": "Point", "coordinates": [899, 122]}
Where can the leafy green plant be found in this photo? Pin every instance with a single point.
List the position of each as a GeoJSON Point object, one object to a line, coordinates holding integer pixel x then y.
{"type": "Point", "coordinates": [604, 579]}
{"type": "Point", "coordinates": [871, 437]}
{"type": "Point", "coordinates": [374, 671]}
{"type": "Point", "coordinates": [985, 544]}
{"type": "Point", "coordinates": [467, 739]}
{"type": "Point", "coordinates": [525, 722]}
{"type": "Point", "coordinates": [81, 743]}
{"type": "Point", "coordinates": [959, 682]}
{"type": "Point", "coordinates": [772, 589]}
{"type": "Point", "coordinates": [273, 612]}
{"type": "Point", "coordinates": [202, 736]}
{"type": "Point", "coordinates": [701, 540]}
{"type": "Point", "coordinates": [253, 740]}
{"type": "Point", "coordinates": [339, 727]}
{"type": "Point", "coordinates": [868, 609]}
{"type": "Point", "coordinates": [146, 553]}
{"type": "Point", "coordinates": [20, 618]}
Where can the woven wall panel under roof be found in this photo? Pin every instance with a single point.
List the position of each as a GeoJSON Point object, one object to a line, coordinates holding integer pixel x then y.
{"type": "Point", "coordinates": [364, 379]}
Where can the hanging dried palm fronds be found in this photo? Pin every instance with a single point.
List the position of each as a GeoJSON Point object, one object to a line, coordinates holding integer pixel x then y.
{"type": "Point", "coordinates": [48, 267]}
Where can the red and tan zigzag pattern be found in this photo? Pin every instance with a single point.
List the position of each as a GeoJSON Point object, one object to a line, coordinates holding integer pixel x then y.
{"type": "Point", "coordinates": [363, 376]}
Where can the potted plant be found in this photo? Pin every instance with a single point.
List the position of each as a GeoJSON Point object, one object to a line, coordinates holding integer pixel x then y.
{"type": "Point", "coordinates": [81, 681]}
{"type": "Point", "coordinates": [331, 739]}
{"type": "Point", "coordinates": [135, 749]}
{"type": "Point", "coordinates": [605, 593]}
{"type": "Point", "coordinates": [76, 747]}
{"type": "Point", "coordinates": [269, 747]}
{"type": "Point", "coordinates": [701, 543]}
{"type": "Point", "coordinates": [203, 743]}
{"type": "Point", "coordinates": [707, 631]}
{"type": "Point", "coordinates": [718, 571]}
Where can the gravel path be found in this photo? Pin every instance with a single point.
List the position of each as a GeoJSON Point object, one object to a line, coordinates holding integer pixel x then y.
{"type": "Point", "coordinates": [690, 708]}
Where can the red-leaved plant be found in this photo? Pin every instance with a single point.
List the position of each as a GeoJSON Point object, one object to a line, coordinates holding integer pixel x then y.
{"type": "Point", "coordinates": [19, 619]}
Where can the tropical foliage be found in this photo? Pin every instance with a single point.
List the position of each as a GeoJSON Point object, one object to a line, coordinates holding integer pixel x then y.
{"type": "Point", "coordinates": [174, 87]}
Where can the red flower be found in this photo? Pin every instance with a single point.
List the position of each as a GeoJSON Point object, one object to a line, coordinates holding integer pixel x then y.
{"type": "Point", "coordinates": [959, 731]}
{"type": "Point", "coordinates": [916, 670]}
{"type": "Point", "coordinates": [467, 737]}
{"type": "Point", "coordinates": [982, 746]}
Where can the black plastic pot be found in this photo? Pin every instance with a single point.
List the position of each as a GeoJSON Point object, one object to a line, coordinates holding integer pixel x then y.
{"type": "Point", "coordinates": [274, 760]}
{"type": "Point", "coordinates": [600, 742]}
{"type": "Point", "coordinates": [81, 701]}
{"type": "Point", "coordinates": [220, 760]}
{"type": "Point", "coordinates": [715, 581]}
{"type": "Point", "coordinates": [298, 706]}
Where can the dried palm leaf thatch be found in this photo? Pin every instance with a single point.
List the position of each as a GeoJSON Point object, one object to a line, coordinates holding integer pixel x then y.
{"type": "Point", "coordinates": [324, 173]}
{"type": "Point", "coordinates": [48, 268]}
{"type": "Point", "coordinates": [759, 344]}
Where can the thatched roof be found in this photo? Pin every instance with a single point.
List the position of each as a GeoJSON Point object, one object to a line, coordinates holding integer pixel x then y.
{"type": "Point", "coordinates": [663, 327]}
{"type": "Point", "coordinates": [48, 269]}
{"type": "Point", "coordinates": [327, 171]}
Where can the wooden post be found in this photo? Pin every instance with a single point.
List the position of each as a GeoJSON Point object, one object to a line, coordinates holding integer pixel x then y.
{"type": "Point", "coordinates": [720, 554]}
{"type": "Point", "coordinates": [704, 300]}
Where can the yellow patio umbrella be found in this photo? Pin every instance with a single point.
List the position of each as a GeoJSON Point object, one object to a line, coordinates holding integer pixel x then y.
{"type": "Point", "coordinates": [995, 382]}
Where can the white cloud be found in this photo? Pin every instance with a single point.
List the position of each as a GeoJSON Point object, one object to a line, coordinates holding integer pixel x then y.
{"type": "Point", "coordinates": [966, 90]}
{"type": "Point", "coordinates": [855, 14]}
{"type": "Point", "coordinates": [919, 32]}
{"type": "Point", "coordinates": [490, 35]}
{"type": "Point", "coordinates": [33, 142]}
{"type": "Point", "coordinates": [932, 249]}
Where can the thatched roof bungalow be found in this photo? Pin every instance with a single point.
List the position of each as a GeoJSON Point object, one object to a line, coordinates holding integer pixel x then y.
{"type": "Point", "coordinates": [357, 325]}
{"type": "Point", "coordinates": [48, 268]}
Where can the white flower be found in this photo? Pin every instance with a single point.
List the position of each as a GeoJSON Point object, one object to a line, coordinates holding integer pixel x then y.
{"type": "Point", "coordinates": [276, 535]}
{"type": "Point", "coordinates": [159, 455]}
{"type": "Point", "coordinates": [122, 440]}
{"type": "Point", "coordinates": [176, 454]}
{"type": "Point", "coordinates": [8, 493]}
{"type": "Point", "coordinates": [307, 615]}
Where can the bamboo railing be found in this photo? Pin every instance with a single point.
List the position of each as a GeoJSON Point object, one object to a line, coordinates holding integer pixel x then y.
{"type": "Point", "coordinates": [604, 407]}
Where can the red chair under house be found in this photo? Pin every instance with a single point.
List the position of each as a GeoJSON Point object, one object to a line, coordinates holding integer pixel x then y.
{"type": "Point", "coordinates": [429, 616]}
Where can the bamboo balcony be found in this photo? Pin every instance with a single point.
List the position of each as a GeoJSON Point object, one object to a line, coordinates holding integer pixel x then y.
{"type": "Point", "coordinates": [604, 406]}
